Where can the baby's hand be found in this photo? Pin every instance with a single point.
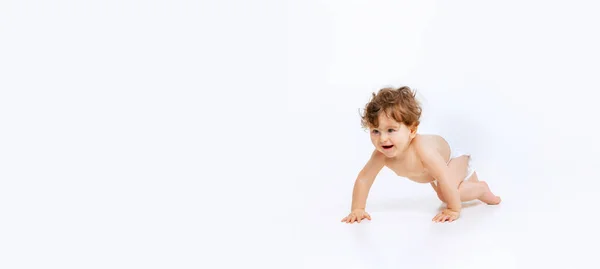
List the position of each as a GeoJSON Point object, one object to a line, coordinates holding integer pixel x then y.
{"type": "Point", "coordinates": [446, 215]}
{"type": "Point", "coordinates": [356, 215]}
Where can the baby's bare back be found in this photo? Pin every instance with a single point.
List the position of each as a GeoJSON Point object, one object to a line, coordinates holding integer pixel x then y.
{"type": "Point", "coordinates": [410, 166]}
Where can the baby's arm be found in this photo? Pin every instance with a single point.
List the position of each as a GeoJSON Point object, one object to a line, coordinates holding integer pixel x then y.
{"type": "Point", "coordinates": [435, 163]}
{"type": "Point", "coordinates": [365, 180]}
{"type": "Point", "coordinates": [362, 185]}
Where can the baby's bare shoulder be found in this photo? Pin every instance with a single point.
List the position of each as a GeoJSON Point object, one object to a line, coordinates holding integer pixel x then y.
{"type": "Point", "coordinates": [433, 148]}
{"type": "Point", "coordinates": [429, 139]}
{"type": "Point", "coordinates": [431, 142]}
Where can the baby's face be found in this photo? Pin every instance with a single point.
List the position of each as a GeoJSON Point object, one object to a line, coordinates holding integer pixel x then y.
{"type": "Point", "coordinates": [390, 137]}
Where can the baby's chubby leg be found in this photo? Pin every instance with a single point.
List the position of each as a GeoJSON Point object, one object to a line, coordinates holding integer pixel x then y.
{"type": "Point", "coordinates": [472, 188]}
{"type": "Point", "coordinates": [475, 189]}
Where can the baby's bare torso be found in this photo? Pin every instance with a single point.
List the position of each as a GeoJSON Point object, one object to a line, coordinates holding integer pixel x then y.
{"type": "Point", "coordinates": [410, 165]}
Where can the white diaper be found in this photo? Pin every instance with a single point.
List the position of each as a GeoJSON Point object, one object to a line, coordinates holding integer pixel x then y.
{"type": "Point", "coordinates": [454, 153]}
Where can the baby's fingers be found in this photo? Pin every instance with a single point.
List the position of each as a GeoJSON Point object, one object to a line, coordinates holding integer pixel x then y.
{"type": "Point", "coordinates": [368, 216]}
{"type": "Point", "coordinates": [440, 217]}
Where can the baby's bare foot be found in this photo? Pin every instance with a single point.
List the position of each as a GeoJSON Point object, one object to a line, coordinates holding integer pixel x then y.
{"type": "Point", "coordinates": [495, 201]}
{"type": "Point", "coordinates": [490, 199]}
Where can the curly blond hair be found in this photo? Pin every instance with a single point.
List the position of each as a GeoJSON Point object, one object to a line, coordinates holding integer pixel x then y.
{"type": "Point", "coordinates": [398, 103]}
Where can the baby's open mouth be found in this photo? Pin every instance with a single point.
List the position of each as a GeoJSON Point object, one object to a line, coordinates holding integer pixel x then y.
{"type": "Point", "coordinates": [388, 146]}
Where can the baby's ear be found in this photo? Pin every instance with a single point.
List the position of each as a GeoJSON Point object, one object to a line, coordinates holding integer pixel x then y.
{"type": "Point", "coordinates": [413, 130]}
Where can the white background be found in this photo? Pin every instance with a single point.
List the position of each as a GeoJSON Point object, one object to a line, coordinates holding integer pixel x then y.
{"type": "Point", "coordinates": [204, 134]}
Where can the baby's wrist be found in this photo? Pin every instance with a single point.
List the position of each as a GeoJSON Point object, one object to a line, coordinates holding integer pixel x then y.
{"type": "Point", "coordinates": [457, 211]}
{"type": "Point", "coordinates": [454, 207]}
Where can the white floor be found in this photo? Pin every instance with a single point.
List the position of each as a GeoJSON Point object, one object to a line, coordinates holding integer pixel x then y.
{"type": "Point", "coordinates": [149, 220]}
{"type": "Point", "coordinates": [542, 221]}
{"type": "Point", "coordinates": [525, 231]}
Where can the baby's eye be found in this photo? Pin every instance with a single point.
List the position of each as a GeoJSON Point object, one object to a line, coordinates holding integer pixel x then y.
{"type": "Point", "coordinates": [391, 130]}
{"type": "Point", "coordinates": [375, 131]}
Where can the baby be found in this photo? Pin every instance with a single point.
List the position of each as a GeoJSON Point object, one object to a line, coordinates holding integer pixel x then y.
{"type": "Point", "coordinates": [392, 117]}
